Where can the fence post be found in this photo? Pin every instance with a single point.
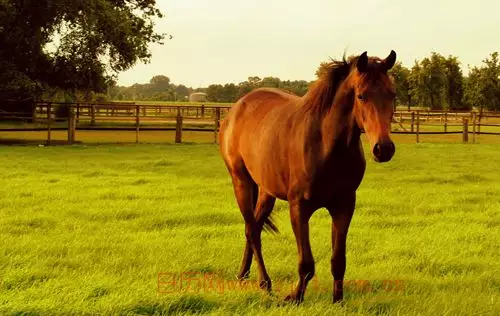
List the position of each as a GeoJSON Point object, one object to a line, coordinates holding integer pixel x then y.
{"type": "Point", "coordinates": [92, 114]}
{"type": "Point", "coordinates": [178, 127]}
{"type": "Point", "coordinates": [465, 132]}
{"type": "Point", "coordinates": [49, 122]}
{"type": "Point", "coordinates": [445, 122]}
{"type": "Point", "coordinates": [412, 120]}
{"type": "Point", "coordinates": [418, 126]}
{"type": "Point", "coordinates": [217, 122]}
{"type": "Point", "coordinates": [137, 112]}
{"type": "Point", "coordinates": [71, 125]}
{"type": "Point", "coordinates": [474, 127]}
{"type": "Point", "coordinates": [479, 123]}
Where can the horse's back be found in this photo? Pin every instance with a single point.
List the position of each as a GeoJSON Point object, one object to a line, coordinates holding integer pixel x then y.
{"type": "Point", "coordinates": [250, 109]}
{"type": "Point", "coordinates": [261, 101]}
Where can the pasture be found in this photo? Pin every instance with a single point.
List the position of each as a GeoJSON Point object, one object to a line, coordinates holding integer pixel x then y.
{"type": "Point", "coordinates": [88, 229]}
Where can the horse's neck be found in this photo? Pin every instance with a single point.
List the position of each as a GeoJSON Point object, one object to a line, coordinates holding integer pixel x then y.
{"type": "Point", "coordinates": [318, 130]}
{"type": "Point", "coordinates": [338, 125]}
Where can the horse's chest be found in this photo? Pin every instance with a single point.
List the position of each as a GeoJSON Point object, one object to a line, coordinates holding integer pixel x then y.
{"type": "Point", "coordinates": [342, 174]}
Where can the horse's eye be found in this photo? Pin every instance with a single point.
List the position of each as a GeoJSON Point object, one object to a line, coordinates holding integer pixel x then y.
{"type": "Point", "coordinates": [361, 97]}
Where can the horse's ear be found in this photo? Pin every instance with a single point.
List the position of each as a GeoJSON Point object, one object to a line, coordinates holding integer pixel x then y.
{"type": "Point", "coordinates": [390, 60]}
{"type": "Point", "coordinates": [362, 63]}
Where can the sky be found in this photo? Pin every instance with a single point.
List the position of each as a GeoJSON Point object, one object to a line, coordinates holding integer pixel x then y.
{"type": "Point", "coordinates": [224, 41]}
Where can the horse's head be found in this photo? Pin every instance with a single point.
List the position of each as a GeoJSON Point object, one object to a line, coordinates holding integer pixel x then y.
{"type": "Point", "coordinates": [374, 95]}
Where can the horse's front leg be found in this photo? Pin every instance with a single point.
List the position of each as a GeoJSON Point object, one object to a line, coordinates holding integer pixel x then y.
{"type": "Point", "coordinates": [299, 215]}
{"type": "Point", "coordinates": [341, 211]}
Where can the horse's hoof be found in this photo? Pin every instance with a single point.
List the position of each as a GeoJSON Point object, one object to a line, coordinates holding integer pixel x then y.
{"type": "Point", "coordinates": [265, 285]}
{"type": "Point", "coordinates": [339, 299]}
{"type": "Point", "coordinates": [293, 299]}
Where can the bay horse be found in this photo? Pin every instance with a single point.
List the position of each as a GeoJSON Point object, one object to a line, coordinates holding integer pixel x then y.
{"type": "Point", "coordinates": [307, 151]}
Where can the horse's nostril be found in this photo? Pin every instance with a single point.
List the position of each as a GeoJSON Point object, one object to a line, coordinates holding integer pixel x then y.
{"type": "Point", "coordinates": [376, 150]}
{"type": "Point", "coordinates": [391, 146]}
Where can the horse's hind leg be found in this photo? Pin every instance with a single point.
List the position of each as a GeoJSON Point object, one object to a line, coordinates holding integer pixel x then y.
{"type": "Point", "coordinates": [245, 193]}
{"type": "Point", "coordinates": [265, 204]}
{"type": "Point", "coordinates": [248, 252]}
{"type": "Point", "coordinates": [300, 213]}
{"type": "Point", "coordinates": [255, 207]}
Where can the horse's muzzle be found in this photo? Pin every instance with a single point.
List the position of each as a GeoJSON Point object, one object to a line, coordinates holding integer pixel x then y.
{"type": "Point", "coordinates": [383, 151]}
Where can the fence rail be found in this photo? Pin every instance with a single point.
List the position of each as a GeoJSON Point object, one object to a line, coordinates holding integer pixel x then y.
{"type": "Point", "coordinates": [128, 116]}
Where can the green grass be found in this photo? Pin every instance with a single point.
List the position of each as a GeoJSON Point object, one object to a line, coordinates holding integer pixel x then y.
{"type": "Point", "coordinates": [87, 229]}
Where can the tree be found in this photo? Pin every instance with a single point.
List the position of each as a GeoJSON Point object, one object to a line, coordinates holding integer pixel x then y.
{"type": "Point", "coordinates": [491, 81]}
{"type": "Point", "coordinates": [473, 89]}
{"type": "Point", "coordinates": [454, 83]}
{"type": "Point", "coordinates": [254, 81]}
{"type": "Point", "coordinates": [428, 80]}
{"type": "Point", "coordinates": [482, 86]}
{"type": "Point", "coordinates": [270, 82]}
{"type": "Point", "coordinates": [245, 87]}
{"type": "Point", "coordinates": [297, 87]}
{"type": "Point", "coordinates": [214, 92]}
{"type": "Point", "coordinates": [229, 93]}
{"type": "Point", "coordinates": [321, 70]}
{"type": "Point", "coordinates": [182, 92]}
{"type": "Point", "coordinates": [75, 44]}
{"type": "Point", "coordinates": [159, 84]}
{"type": "Point", "coordinates": [401, 77]}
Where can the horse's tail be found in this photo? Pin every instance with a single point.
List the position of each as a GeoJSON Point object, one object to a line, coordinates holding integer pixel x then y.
{"type": "Point", "coordinates": [269, 226]}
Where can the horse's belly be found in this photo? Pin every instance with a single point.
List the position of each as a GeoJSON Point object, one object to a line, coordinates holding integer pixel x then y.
{"type": "Point", "coordinates": [269, 177]}
{"type": "Point", "coordinates": [267, 166]}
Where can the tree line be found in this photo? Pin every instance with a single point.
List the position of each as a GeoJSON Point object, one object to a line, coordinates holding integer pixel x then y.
{"type": "Point", "coordinates": [160, 88]}
{"type": "Point", "coordinates": [437, 82]}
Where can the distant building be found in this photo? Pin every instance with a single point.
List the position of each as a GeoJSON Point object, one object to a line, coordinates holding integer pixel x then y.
{"type": "Point", "coordinates": [198, 97]}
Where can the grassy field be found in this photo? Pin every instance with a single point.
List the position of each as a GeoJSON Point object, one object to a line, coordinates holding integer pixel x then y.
{"type": "Point", "coordinates": [88, 229]}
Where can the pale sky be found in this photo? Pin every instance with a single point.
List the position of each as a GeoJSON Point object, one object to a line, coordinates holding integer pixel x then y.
{"type": "Point", "coordinates": [224, 41]}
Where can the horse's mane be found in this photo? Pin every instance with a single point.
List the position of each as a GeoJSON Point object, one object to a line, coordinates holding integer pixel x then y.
{"type": "Point", "coordinates": [322, 92]}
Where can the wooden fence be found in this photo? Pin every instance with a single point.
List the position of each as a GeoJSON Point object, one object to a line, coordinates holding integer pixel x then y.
{"type": "Point", "coordinates": [128, 116]}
